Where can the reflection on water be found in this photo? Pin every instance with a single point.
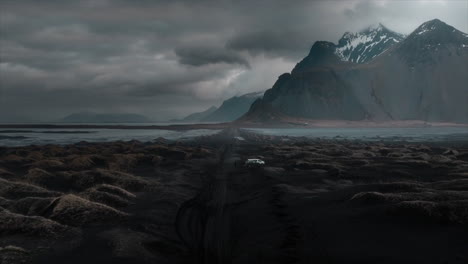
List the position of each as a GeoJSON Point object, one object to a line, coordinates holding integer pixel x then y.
{"type": "Point", "coordinates": [23, 137]}
{"type": "Point", "coordinates": [415, 134]}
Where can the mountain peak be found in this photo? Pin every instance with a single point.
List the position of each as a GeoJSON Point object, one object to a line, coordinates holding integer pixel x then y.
{"type": "Point", "coordinates": [366, 44]}
{"type": "Point", "coordinates": [322, 53]}
{"type": "Point", "coordinates": [434, 21]}
{"type": "Point", "coordinates": [374, 27]}
{"type": "Point", "coordinates": [431, 26]}
{"type": "Point", "coordinates": [438, 32]}
{"type": "Point", "coordinates": [429, 41]}
{"type": "Point", "coordinates": [322, 45]}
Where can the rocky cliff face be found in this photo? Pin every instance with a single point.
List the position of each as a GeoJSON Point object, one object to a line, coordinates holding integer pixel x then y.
{"type": "Point", "coordinates": [318, 94]}
{"type": "Point", "coordinates": [424, 76]}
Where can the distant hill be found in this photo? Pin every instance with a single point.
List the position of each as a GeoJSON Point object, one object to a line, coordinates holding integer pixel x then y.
{"type": "Point", "coordinates": [90, 117]}
{"type": "Point", "coordinates": [196, 117]}
{"type": "Point", "coordinates": [420, 77]}
{"type": "Point", "coordinates": [230, 110]}
{"type": "Point", "coordinates": [233, 108]}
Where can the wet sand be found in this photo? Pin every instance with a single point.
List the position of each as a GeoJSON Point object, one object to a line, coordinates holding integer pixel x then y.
{"type": "Point", "coordinates": [286, 123]}
{"type": "Point", "coordinates": [315, 201]}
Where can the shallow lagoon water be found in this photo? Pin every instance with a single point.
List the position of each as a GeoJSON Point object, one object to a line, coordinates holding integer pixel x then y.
{"type": "Point", "coordinates": [411, 134]}
{"type": "Point", "coordinates": [24, 137]}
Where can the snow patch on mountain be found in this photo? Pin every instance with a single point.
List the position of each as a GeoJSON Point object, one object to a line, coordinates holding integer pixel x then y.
{"type": "Point", "coordinates": [365, 45]}
{"type": "Point", "coordinates": [425, 28]}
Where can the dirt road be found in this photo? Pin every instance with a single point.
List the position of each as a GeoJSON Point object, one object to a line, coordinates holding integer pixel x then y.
{"type": "Point", "coordinates": [203, 223]}
{"type": "Point", "coordinates": [220, 224]}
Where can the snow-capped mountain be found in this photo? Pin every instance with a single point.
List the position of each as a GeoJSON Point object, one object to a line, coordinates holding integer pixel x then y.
{"type": "Point", "coordinates": [358, 47]}
{"type": "Point", "coordinates": [363, 46]}
{"type": "Point", "coordinates": [421, 78]}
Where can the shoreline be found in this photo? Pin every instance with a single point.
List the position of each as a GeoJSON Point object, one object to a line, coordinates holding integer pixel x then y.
{"type": "Point", "coordinates": [296, 124]}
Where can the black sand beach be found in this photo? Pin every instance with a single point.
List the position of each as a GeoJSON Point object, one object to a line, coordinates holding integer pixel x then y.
{"type": "Point", "coordinates": [315, 201]}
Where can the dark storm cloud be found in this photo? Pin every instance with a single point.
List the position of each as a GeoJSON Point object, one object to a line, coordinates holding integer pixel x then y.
{"type": "Point", "coordinates": [203, 55]}
{"type": "Point", "coordinates": [405, 16]}
{"type": "Point", "coordinates": [165, 58]}
{"type": "Point", "coordinates": [274, 43]}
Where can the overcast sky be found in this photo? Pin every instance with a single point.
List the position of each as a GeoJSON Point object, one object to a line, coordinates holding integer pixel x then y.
{"type": "Point", "coordinates": [169, 58]}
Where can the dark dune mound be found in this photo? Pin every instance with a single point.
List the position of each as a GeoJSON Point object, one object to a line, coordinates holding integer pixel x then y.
{"type": "Point", "coordinates": [66, 209]}
{"type": "Point", "coordinates": [15, 190]}
{"type": "Point", "coordinates": [111, 189]}
{"type": "Point", "coordinates": [53, 150]}
{"type": "Point", "coordinates": [75, 211]}
{"type": "Point", "coordinates": [49, 164]}
{"type": "Point", "coordinates": [82, 180]}
{"type": "Point", "coordinates": [61, 200]}
{"type": "Point", "coordinates": [454, 184]}
{"type": "Point", "coordinates": [35, 156]}
{"type": "Point", "coordinates": [77, 162]}
{"type": "Point", "coordinates": [87, 179]}
{"type": "Point", "coordinates": [12, 223]}
{"type": "Point", "coordinates": [13, 255]}
{"type": "Point", "coordinates": [454, 212]}
{"type": "Point", "coordinates": [32, 206]}
{"type": "Point", "coordinates": [13, 159]}
{"type": "Point", "coordinates": [125, 162]}
{"type": "Point", "coordinates": [62, 181]}
{"type": "Point", "coordinates": [5, 173]}
{"type": "Point", "coordinates": [109, 195]}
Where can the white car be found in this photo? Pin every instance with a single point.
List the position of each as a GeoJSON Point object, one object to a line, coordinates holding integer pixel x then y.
{"type": "Point", "coordinates": [254, 163]}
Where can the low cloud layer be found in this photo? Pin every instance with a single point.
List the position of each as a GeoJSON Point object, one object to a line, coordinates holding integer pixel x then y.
{"type": "Point", "coordinates": [205, 55]}
{"type": "Point", "coordinates": [165, 58]}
